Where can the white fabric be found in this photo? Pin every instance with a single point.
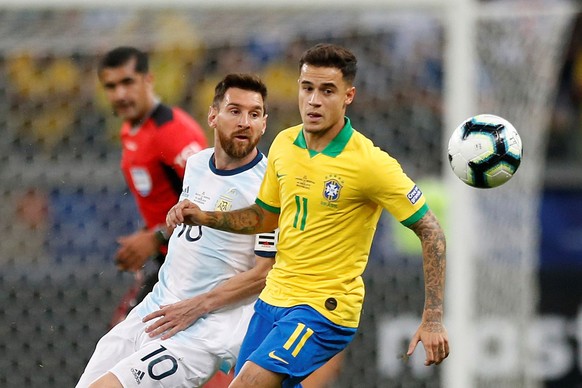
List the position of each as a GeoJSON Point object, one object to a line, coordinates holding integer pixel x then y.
{"type": "Point", "coordinates": [140, 361]}
{"type": "Point", "coordinates": [198, 260]}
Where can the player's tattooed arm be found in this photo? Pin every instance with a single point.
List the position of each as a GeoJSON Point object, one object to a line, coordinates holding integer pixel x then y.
{"type": "Point", "coordinates": [433, 242]}
{"type": "Point", "coordinates": [432, 332]}
{"type": "Point", "coordinates": [250, 220]}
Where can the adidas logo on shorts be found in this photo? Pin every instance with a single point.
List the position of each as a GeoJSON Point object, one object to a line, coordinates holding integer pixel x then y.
{"type": "Point", "coordinates": [137, 375]}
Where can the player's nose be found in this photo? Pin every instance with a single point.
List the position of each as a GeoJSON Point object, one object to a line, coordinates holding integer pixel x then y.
{"type": "Point", "coordinates": [244, 121]}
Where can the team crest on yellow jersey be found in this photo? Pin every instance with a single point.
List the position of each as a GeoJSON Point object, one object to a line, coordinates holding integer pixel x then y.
{"type": "Point", "coordinates": [331, 189]}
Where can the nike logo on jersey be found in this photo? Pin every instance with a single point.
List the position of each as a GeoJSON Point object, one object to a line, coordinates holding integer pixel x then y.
{"type": "Point", "coordinates": [281, 175]}
{"type": "Point", "coordinates": [275, 357]}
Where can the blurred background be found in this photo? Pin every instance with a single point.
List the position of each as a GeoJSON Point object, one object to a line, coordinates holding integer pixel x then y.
{"type": "Point", "coordinates": [64, 201]}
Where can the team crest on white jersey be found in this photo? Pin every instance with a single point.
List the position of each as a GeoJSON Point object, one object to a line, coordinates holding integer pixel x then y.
{"type": "Point", "coordinates": [224, 203]}
{"type": "Point", "coordinates": [331, 189]}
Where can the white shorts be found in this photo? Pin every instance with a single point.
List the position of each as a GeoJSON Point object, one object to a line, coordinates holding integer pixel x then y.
{"type": "Point", "coordinates": [188, 359]}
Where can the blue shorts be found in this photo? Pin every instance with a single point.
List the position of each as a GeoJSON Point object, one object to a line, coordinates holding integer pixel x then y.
{"type": "Point", "coordinates": [293, 341]}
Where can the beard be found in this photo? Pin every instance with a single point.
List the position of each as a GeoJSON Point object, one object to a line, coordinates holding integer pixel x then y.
{"type": "Point", "coordinates": [236, 149]}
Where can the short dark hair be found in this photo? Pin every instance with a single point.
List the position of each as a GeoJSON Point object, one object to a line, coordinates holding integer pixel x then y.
{"type": "Point", "coordinates": [242, 81]}
{"type": "Point", "coordinates": [121, 55]}
{"type": "Point", "coordinates": [331, 55]}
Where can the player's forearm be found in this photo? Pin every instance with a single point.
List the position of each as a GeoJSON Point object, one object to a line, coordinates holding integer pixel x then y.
{"type": "Point", "coordinates": [433, 242]}
{"type": "Point", "coordinates": [250, 220]}
{"type": "Point", "coordinates": [232, 291]}
{"type": "Point", "coordinates": [240, 286]}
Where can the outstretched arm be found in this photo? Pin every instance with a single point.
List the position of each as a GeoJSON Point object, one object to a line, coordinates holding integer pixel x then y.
{"type": "Point", "coordinates": [432, 332]}
{"type": "Point", "coordinates": [250, 220]}
{"type": "Point", "coordinates": [180, 315]}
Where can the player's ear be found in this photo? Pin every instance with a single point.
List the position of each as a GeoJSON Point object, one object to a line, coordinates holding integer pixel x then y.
{"type": "Point", "coordinates": [264, 124]}
{"type": "Point", "coordinates": [149, 78]}
{"type": "Point", "coordinates": [212, 113]}
{"type": "Point", "coordinates": [350, 95]}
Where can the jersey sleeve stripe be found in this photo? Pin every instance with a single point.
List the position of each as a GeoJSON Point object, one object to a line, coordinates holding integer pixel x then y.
{"type": "Point", "coordinates": [416, 216]}
{"type": "Point", "coordinates": [270, 208]}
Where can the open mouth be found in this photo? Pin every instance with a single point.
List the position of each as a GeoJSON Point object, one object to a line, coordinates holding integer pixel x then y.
{"type": "Point", "coordinates": [314, 116]}
{"type": "Point", "coordinates": [122, 107]}
{"type": "Point", "coordinates": [241, 137]}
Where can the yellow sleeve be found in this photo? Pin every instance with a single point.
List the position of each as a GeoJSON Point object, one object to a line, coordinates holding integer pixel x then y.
{"type": "Point", "coordinates": [268, 197]}
{"type": "Point", "coordinates": [396, 192]}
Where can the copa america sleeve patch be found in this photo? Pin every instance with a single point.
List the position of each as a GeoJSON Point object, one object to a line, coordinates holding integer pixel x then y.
{"type": "Point", "coordinates": [266, 244]}
{"type": "Point", "coordinates": [414, 195]}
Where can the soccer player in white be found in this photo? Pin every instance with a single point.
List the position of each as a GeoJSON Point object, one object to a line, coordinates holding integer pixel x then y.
{"type": "Point", "coordinates": [192, 324]}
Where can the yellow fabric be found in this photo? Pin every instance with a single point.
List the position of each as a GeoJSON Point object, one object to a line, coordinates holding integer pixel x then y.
{"type": "Point", "coordinates": [329, 205]}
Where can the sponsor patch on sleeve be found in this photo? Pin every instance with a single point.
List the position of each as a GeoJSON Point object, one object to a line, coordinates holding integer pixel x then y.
{"type": "Point", "coordinates": [414, 195]}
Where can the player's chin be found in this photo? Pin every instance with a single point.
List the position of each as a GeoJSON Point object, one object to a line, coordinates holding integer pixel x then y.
{"type": "Point", "coordinates": [240, 149]}
{"type": "Point", "coordinates": [313, 127]}
{"type": "Point", "coordinates": [126, 113]}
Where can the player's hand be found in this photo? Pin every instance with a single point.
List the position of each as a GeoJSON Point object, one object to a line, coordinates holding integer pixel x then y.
{"type": "Point", "coordinates": [134, 250]}
{"type": "Point", "coordinates": [175, 317]}
{"type": "Point", "coordinates": [435, 339]}
{"type": "Point", "coordinates": [184, 212]}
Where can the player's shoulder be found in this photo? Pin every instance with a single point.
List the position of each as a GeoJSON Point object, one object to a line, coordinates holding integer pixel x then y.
{"type": "Point", "coordinates": [162, 115]}
{"type": "Point", "coordinates": [257, 166]}
{"type": "Point", "coordinates": [202, 156]}
{"type": "Point", "coordinates": [290, 133]}
{"type": "Point", "coordinates": [287, 136]}
{"type": "Point", "coordinates": [366, 145]}
{"type": "Point", "coordinates": [261, 161]}
{"type": "Point", "coordinates": [180, 114]}
{"type": "Point", "coordinates": [362, 152]}
{"type": "Point", "coordinates": [165, 116]}
{"type": "Point", "coordinates": [360, 140]}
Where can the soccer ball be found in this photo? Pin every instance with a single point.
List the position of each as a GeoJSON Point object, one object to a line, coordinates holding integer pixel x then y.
{"type": "Point", "coordinates": [485, 151]}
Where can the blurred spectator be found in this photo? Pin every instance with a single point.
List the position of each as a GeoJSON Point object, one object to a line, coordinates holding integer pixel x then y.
{"type": "Point", "coordinates": [25, 215]}
{"type": "Point", "coordinates": [176, 54]}
{"type": "Point", "coordinates": [280, 74]}
{"type": "Point", "coordinates": [45, 97]}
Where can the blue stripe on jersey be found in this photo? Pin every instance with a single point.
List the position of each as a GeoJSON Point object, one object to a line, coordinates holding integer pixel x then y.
{"type": "Point", "coordinates": [237, 170]}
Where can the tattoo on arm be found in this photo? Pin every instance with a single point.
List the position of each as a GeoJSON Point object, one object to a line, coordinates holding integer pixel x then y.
{"type": "Point", "coordinates": [433, 242]}
{"type": "Point", "coordinates": [244, 221]}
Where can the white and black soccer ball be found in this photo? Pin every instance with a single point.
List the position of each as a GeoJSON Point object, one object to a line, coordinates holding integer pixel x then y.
{"type": "Point", "coordinates": [485, 151]}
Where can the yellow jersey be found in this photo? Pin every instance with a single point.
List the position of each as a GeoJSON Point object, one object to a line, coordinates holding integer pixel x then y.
{"type": "Point", "coordinates": [329, 204]}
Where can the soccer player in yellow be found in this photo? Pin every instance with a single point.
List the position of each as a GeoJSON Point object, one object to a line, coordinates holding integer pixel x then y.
{"type": "Point", "coordinates": [325, 187]}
